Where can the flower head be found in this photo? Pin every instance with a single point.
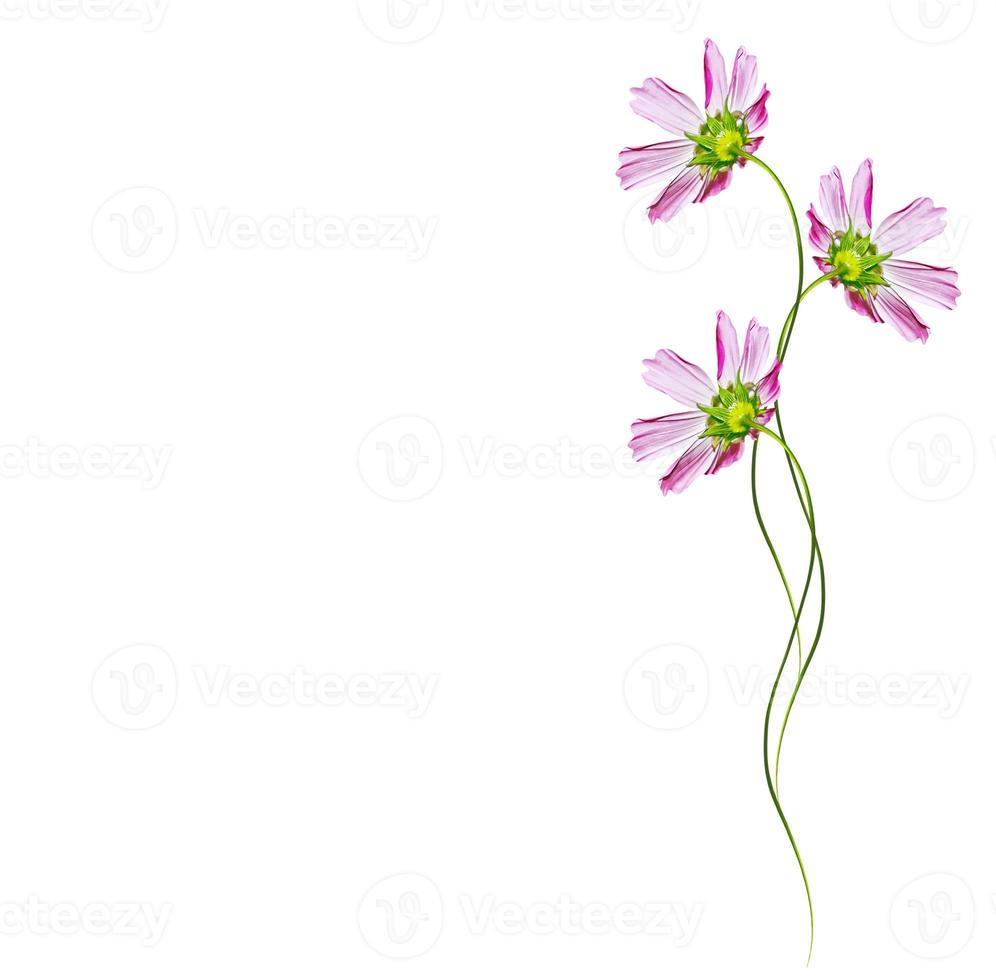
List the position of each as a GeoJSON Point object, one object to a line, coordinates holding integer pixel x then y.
{"type": "Point", "coordinates": [701, 162]}
{"type": "Point", "coordinates": [722, 413]}
{"type": "Point", "coordinates": [876, 283]}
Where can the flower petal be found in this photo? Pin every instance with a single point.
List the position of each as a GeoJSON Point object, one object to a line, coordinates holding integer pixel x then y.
{"type": "Point", "coordinates": [676, 195]}
{"type": "Point", "coordinates": [832, 200]}
{"type": "Point", "coordinates": [860, 207]}
{"type": "Point", "coordinates": [820, 236]}
{"type": "Point", "coordinates": [685, 382]}
{"type": "Point", "coordinates": [769, 387]}
{"type": "Point", "coordinates": [727, 349]}
{"type": "Point", "coordinates": [715, 77]}
{"type": "Point", "coordinates": [901, 315]}
{"type": "Point", "coordinates": [713, 184]}
{"type": "Point", "coordinates": [917, 223]}
{"type": "Point", "coordinates": [642, 165]}
{"type": "Point", "coordinates": [659, 437]}
{"type": "Point", "coordinates": [690, 465]}
{"type": "Point", "coordinates": [670, 109]}
{"type": "Point", "coordinates": [930, 283]}
{"type": "Point", "coordinates": [756, 116]}
{"type": "Point", "coordinates": [757, 351]}
{"type": "Point", "coordinates": [859, 304]}
{"type": "Point", "coordinates": [743, 80]}
{"type": "Point", "coordinates": [724, 457]}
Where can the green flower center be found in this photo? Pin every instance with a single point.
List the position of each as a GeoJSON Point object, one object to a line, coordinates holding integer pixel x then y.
{"type": "Point", "coordinates": [732, 412]}
{"type": "Point", "coordinates": [719, 141]}
{"type": "Point", "coordinates": [856, 260]}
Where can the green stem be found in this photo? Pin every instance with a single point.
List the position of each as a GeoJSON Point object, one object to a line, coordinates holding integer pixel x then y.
{"type": "Point", "coordinates": [777, 561]}
{"type": "Point", "coordinates": [772, 791]}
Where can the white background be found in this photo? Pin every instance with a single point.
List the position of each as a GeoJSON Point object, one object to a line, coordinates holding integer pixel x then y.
{"type": "Point", "coordinates": [194, 419]}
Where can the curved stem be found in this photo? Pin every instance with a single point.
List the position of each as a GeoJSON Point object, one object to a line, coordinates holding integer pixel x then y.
{"type": "Point", "coordinates": [772, 791]}
{"type": "Point", "coordinates": [787, 332]}
{"type": "Point", "coordinates": [778, 565]}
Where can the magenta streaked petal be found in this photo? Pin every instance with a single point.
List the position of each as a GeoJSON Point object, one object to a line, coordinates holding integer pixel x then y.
{"type": "Point", "coordinates": [860, 206]}
{"type": "Point", "coordinates": [756, 116]}
{"type": "Point", "coordinates": [819, 234]}
{"type": "Point", "coordinates": [653, 438]}
{"type": "Point", "coordinates": [715, 77]}
{"type": "Point", "coordinates": [751, 146]}
{"type": "Point", "coordinates": [901, 315]}
{"type": "Point", "coordinates": [859, 304]}
{"type": "Point", "coordinates": [917, 223]}
{"type": "Point", "coordinates": [676, 195]}
{"type": "Point", "coordinates": [685, 382]}
{"type": "Point", "coordinates": [930, 283]}
{"type": "Point", "coordinates": [762, 419]}
{"type": "Point", "coordinates": [713, 184]}
{"type": "Point", "coordinates": [724, 457]}
{"type": "Point", "coordinates": [832, 200]}
{"type": "Point", "coordinates": [690, 465]}
{"type": "Point", "coordinates": [642, 165]}
{"type": "Point", "coordinates": [670, 109]}
{"type": "Point", "coordinates": [743, 80]}
{"type": "Point", "coordinates": [727, 349]}
{"type": "Point", "coordinates": [769, 387]}
{"type": "Point", "coordinates": [757, 353]}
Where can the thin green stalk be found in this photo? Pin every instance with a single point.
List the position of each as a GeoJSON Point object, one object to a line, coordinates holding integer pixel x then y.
{"type": "Point", "coordinates": [772, 791]}
{"type": "Point", "coordinates": [777, 561]}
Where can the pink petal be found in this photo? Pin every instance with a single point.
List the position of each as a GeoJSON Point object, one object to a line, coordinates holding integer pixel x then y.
{"type": "Point", "coordinates": [901, 315]}
{"type": "Point", "coordinates": [832, 200]}
{"type": "Point", "coordinates": [819, 234]}
{"type": "Point", "coordinates": [769, 387]}
{"type": "Point", "coordinates": [670, 109]}
{"type": "Point", "coordinates": [642, 165]}
{"type": "Point", "coordinates": [861, 196]}
{"type": "Point", "coordinates": [715, 77]}
{"type": "Point", "coordinates": [724, 457]}
{"type": "Point", "coordinates": [859, 304]}
{"type": "Point", "coordinates": [713, 184]}
{"type": "Point", "coordinates": [684, 382]}
{"type": "Point", "coordinates": [751, 146]}
{"type": "Point", "coordinates": [676, 195]}
{"type": "Point", "coordinates": [727, 349]}
{"type": "Point", "coordinates": [917, 223]}
{"type": "Point", "coordinates": [757, 351]}
{"type": "Point", "coordinates": [658, 437]}
{"type": "Point", "coordinates": [690, 465]}
{"type": "Point", "coordinates": [756, 116]}
{"type": "Point", "coordinates": [743, 80]}
{"type": "Point", "coordinates": [930, 283]}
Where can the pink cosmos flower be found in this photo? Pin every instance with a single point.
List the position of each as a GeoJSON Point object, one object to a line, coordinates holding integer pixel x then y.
{"type": "Point", "coordinates": [721, 413]}
{"type": "Point", "coordinates": [876, 283]}
{"type": "Point", "coordinates": [710, 142]}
